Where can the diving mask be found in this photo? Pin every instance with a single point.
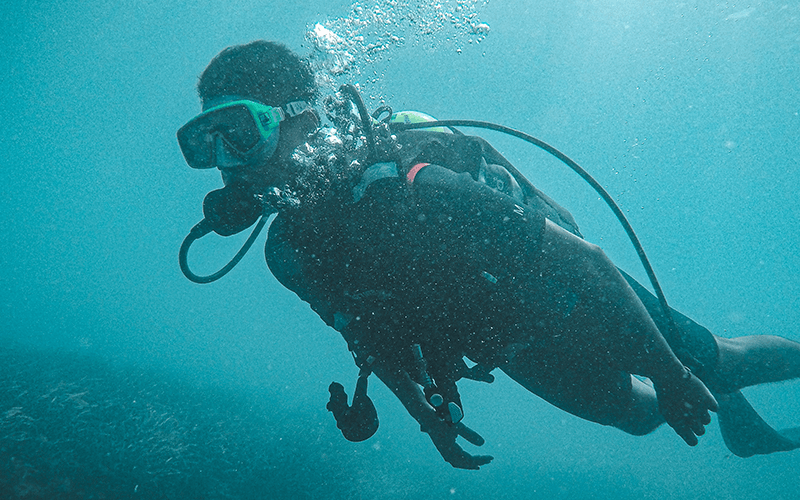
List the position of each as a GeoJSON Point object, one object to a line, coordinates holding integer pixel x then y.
{"type": "Point", "coordinates": [242, 128]}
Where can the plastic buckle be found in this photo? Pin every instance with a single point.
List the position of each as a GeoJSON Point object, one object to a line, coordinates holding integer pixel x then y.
{"type": "Point", "coordinates": [294, 108]}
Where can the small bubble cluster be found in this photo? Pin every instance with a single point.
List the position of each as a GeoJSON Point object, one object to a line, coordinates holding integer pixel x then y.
{"type": "Point", "coordinates": [353, 45]}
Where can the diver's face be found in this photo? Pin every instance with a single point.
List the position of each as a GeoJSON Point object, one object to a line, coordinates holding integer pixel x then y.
{"type": "Point", "coordinates": [259, 169]}
{"type": "Point", "coordinates": [223, 159]}
{"type": "Point", "coordinates": [263, 173]}
{"type": "Point", "coordinates": [276, 170]}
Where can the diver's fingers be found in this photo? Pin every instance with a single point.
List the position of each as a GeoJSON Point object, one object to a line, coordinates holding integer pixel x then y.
{"type": "Point", "coordinates": [482, 459]}
{"type": "Point", "coordinates": [469, 462]}
{"type": "Point", "coordinates": [690, 427]}
{"type": "Point", "coordinates": [688, 413]}
{"type": "Point", "coordinates": [444, 437]}
{"type": "Point", "coordinates": [698, 430]}
{"type": "Point", "coordinates": [463, 460]}
{"type": "Point", "coordinates": [468, 434]}
{"type": "Point", "coordinates": [453, 454]}
{"type": "Point", "coordinates": [699, 427]}
{"type": "Point", "coordinates": [686, 434]}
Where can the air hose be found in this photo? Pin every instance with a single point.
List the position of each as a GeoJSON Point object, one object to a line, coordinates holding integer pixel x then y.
{"type": "Point", "coordinates": [203, 228]}
{"type": "Point", "coordinates": [366, 120]}
{"type": "Point", "coordinates": [580, 171]}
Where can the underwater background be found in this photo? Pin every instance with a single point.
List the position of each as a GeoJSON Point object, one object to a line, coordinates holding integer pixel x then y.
{"type": "Point", "coordinates": [119, 378]}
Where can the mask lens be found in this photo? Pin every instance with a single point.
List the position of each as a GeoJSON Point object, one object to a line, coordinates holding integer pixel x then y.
{"type": "Point", "coordinates": [196, 144]}
{"type": "Point", "coordinates": [236, 125]}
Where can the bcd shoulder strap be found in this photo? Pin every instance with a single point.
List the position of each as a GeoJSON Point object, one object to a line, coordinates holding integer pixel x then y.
{"type": "Point", "coordinates": [464, 153]}
{"type": "Point", "coordinates": [459, 153]}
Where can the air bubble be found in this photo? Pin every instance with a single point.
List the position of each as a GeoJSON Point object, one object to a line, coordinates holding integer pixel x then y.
{"type": "Point", "coordinates": [354, 44]}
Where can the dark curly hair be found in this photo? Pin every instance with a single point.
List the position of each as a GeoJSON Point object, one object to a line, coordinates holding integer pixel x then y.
{"type": "Point", "coordinates": [266, 71]}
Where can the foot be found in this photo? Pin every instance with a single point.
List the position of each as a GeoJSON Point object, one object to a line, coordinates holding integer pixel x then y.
{"type": "Point", "coordinates": [685, 403]}
{"type": "Point", "coordinates": [746, 433]}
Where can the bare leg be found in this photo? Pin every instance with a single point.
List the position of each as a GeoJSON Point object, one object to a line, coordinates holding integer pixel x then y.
{"type": "Point", "coordinates": [728, 365]}
{"type": "Point", "coordinates": [602, 396]}
{"type": "Point", "coordinates": [591, 322]}
{"type": "Point", "coordinates": [760, 359]}
{"type": "Point", "coordinates": [747, 361]}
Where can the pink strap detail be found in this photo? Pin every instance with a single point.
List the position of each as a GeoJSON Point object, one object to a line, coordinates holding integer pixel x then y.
{"type": "Point", "coordinates": [414, 170]}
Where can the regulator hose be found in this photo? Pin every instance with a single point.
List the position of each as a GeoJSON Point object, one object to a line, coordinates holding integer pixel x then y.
{"type": "Point", "coordinates": [366, 119]}
{"type": "Point", "coordinates": [577, 169]}
{"type": "Point", "coordinates": [203, 228]}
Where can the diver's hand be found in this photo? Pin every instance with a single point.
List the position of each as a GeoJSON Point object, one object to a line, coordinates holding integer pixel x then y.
{"type": "Point", "coordinates": [444, 437]}
{"type": "Point", "coordinates": [442, 434]}
{"type": "Point", "coordinates": [685, 403]}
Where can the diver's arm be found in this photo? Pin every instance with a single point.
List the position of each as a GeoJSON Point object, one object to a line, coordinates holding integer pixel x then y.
{"type": "Point", "coordinates": [468, 218]}
{"type": "Point", "coordinates": [441, 433]}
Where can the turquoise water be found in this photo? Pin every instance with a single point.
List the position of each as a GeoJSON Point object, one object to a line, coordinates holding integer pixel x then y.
{"type": "Point", "coordinates": [121, 379]}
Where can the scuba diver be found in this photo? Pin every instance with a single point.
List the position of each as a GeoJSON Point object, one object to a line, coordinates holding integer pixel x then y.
{"type": "Point", "coordinates": [422, 247]}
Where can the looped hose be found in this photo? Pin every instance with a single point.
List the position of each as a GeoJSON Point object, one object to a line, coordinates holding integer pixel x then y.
{"type": "Point", "coordinates": [381, 110]}
{"type": "Point", "coordinates": [585, 176]}
{"type": "Point", "coordinates": [203, 228]}
{"type": "Point", "coordinates": [366, 119]}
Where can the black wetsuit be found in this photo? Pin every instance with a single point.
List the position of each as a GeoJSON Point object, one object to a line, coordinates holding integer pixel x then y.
{"type": "Point", "coordinates": [693, 344]}
{"type": "Point", "coordinates": [440, 261]}
{"type": "Point", "coordinates": [423, 262]}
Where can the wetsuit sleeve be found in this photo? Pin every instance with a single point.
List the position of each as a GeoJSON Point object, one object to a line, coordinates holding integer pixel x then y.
{"type": "Point", "coordinates": [286, 264]}
{"type": "Point", "coordinates": [474, 220]}
{"type": "Point", "coordinates": [535, 198]}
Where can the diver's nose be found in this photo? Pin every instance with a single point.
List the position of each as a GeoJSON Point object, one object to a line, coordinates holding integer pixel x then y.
{"type": "Point", "coordinates": [223, 157]}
